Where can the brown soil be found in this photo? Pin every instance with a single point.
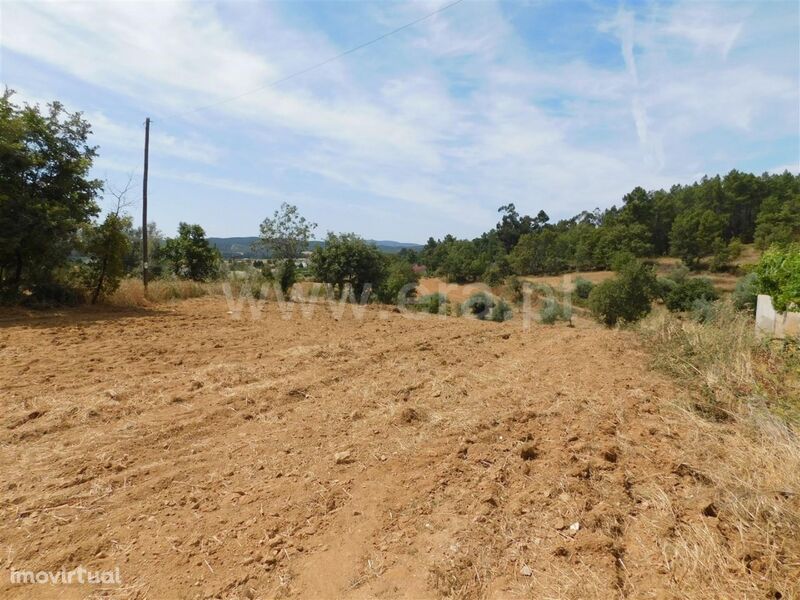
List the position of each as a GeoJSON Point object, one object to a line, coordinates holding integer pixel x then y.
{"type": "Point", "coordinates": [326, 458]}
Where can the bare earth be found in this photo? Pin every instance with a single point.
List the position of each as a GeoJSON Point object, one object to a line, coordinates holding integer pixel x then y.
{"type": "Point", "coordinates": [324, 458]}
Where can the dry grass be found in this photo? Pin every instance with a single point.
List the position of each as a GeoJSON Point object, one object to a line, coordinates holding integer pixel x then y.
{"type": "Point", "coordinates": [131, 292]}
{"type": "Point", "coordinates": [734, 372]}
{"type": "Point", "coordinates": [743, 404]}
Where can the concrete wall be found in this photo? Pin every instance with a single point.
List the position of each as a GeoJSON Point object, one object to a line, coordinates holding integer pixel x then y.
{"type": "Point", "coordinates": [773, 324]}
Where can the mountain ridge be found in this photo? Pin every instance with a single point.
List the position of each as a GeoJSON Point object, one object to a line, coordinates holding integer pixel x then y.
{"type": "Point", "coordinates": [241, 247]}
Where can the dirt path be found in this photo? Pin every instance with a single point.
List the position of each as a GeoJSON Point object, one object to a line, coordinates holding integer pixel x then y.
{"type": "Point", "coordinates": [199, 455]}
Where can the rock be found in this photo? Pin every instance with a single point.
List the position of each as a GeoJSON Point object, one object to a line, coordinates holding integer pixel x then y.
{"type": "Point", "coordinates": [344, 457]}
{"type": "Point", "coordinates": [526, 571]}
{"type": "Point", "coordinates": [574, 527]}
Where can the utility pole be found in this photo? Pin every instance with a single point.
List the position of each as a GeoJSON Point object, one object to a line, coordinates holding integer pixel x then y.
{"type": "Point", "coordinates": [144, 201]}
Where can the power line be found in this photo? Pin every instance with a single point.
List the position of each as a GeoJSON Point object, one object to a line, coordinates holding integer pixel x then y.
{"type": "Point", "coordinates": [317, 65]}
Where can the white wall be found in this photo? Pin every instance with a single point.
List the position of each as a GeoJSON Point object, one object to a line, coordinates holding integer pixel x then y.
{"type": "Point", "coordinates": [773, 324]}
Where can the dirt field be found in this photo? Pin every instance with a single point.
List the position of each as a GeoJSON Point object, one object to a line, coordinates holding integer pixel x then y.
{"type": "Point", "coordinates": [326, 458]}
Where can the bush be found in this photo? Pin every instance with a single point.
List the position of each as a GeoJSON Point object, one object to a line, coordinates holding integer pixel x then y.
{"type": "Point", "coordinates": [679, 273]}
{"type": "Point", "coordinates": [725, 254]}
{"type": "Point", "coordinates": [684, 295]}
{"type": "Point", "coordinates": [399, 274]}
{"type": "Point", "coordinates": [703, 311]}
{"type": "Point", "coordinates": [516, 288]}
{"type": "Point", "coordinates": [778, 274]}
{"type": "Point", "coordinates": [479, 305]}
{"type": "Point", "coordinates": [500, 312]}
{"type": "Point", "coordinates": [583, 287]}
{"type": "Point", "coordinates": [626, 297]}
{"type": "Point", "coordinates": [55, 293]}
{"type": "Point", "coordinates": [485, 306]}
{"type": "Point", "coordinates": [287, 275]}
{"type": "Point", "coordinates": [348, 259]}
{"type": "Point", "coordinates": [552, 311]}
{"type": "Point", "coordinates": [493, 275]}
{"type": "Point", "coordinates": [432, 303]}
{"type": "Point", "coordinates": [191, 254]}
{"type": "Point", "coordinates": [746, 292]}
{"type": "Point", "coordinates": [664, 286]}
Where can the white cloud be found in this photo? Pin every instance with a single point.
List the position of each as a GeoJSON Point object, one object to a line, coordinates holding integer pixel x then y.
{"type": "Point", "coordinates": [391, 125]}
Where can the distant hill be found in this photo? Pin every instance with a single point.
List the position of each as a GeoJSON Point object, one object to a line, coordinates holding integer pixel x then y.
{"type": "Point", "coordinates": [241, 247]}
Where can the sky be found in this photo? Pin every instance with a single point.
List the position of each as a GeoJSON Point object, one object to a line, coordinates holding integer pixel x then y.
{"type": "Point", "coordinates": [549, 104]}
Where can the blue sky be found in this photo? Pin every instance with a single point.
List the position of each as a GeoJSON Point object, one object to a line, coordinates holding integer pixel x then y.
{"type": "Point", "coordinates": [553, 105]}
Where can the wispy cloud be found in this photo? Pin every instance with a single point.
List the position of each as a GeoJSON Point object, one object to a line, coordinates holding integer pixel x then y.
{"type": "Point", "coordinates": [450, 119]}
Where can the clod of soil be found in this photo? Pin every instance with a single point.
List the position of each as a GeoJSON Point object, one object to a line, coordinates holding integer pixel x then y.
{"type": "Point", "coordinates": [528, 451]}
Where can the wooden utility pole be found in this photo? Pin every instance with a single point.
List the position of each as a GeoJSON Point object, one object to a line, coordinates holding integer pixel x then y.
{"type": "Point", "coordinates": [144, 201]}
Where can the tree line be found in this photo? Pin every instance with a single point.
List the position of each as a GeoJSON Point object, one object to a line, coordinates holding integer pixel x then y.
{"type": "Point", "coordinates": [707, 221]}
{"type": "Point", "coordinates": [55, 246]}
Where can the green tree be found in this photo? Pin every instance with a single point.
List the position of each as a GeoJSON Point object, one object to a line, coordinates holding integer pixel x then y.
{"type": "Point", "coordinates": [106, 246]}
{"type": "Point", "coordinates": [286, 235]}
{"type": "Point", "coordinates": [347, 259]}
{"type": "Point", "coordinates": [46, 195]}
{"type": "Point", "coordinates": [684, 295]}
{"type": "Point", "coordinates": [398, 275]}
{"type": "Point", "coordinates": [778, 221]}
{"type": "Point", "coordinates": [778, 275]}
{"type": "Point", "coordinates": [191, 255]}
{"type": "Point", "coordinates": [155, 245]}
{"type": "Point", "coordinates": [542, 252]}
{"type": "Point", "coordinates": [695, 234]}
{"type": "Point", "coordinates": [625, 298]}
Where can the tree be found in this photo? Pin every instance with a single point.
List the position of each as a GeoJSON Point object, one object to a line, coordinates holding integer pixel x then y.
{"type": "Point", "coordinates": [399, 274]}
{"type": "Point", "coordinates": [625, 298]}
{"type": "Point", "coordinates": [778, 275]}
{"type": "Point", "coordinates": [684, 295]}
{"type": "Point", "coordinates": [778, 221]}
{"type": "Point", "coordinates": [346, 259]}
{"type": "Point", "coordinates": [542, 252]}
{"type": "Point", "coordinates": [286, 235]}
{"type": "Point", "coordinates": [190, 254]}
{"type": "Point", "coordinates": [46, 195]}
{"type": "Point", "coordinates": [106, 245]}
{"type": "Point", "coordinates": [695, 234]}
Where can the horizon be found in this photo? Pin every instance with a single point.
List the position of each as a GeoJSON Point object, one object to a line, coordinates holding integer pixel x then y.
{"type": "Point", "coordinates": [555, 106]}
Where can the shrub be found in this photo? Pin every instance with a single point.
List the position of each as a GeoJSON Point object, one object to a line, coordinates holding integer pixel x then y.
{"type": "Point", "coordinates": [725, 254]}
{"type": "Point", "coordinates": [583, 288]}
{"type": "Point", "coordinates": [746, 292]}
{"type": "Point", "coordinates": [399, 274]}
{"type": "Point", "coordinates": [348, 259]}
{"type": "Point", "coordinates": [191, 254]}
{"type": "Point", "coordinates": [664, 285]}
{"type": "Point", "coordinates": [287, 275]}
{"type": "Point", "coordinates": [500, 312]}
{"type": "Point", "coordinates": [432, 303]}
{"type": "Point", "coordinates": [479, 305]}
{"type": "Point", "coordinates": [516, 288]}
{"type": "Point", "coordinates": [485, 306]}
{"type": "Point", "coordinates": [55, 293]}
{"type": "Point", "coordinates": [493, 275]}
{"type": "Point", "coordinates": [685, 293]}
{"type": "Point", "coordinates": [552, 311]}
{"type": "Point", "coordinates": [626, 297]}
{"type": "Point", "coordinates": [703, 311]}
{"type": "Point", "coordinates": [778, 274]}
{"type": "Point", "coordinates": [679, 273]}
